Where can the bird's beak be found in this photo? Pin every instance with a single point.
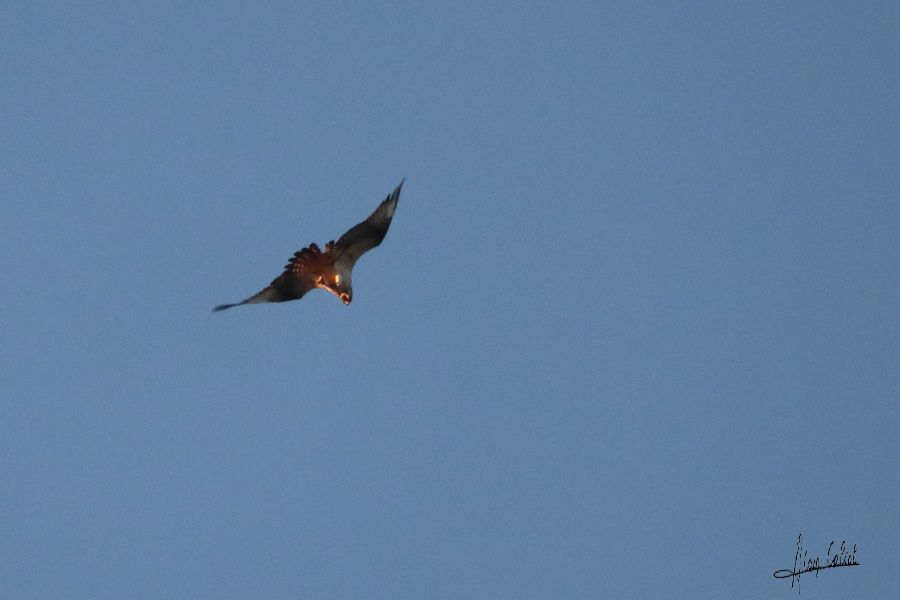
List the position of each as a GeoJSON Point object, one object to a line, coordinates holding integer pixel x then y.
{"type": "Point", "coordinates": [345, 298]}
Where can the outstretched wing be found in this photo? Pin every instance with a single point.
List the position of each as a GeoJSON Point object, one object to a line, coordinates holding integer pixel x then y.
{"type": "Point", "coordinates": [364, 236]}
{"type": "Point", "coordinates": [299, 277]}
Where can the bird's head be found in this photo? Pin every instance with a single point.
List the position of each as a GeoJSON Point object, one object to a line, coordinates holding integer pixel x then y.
{"type": "Point", "coordinates": [338, 285]}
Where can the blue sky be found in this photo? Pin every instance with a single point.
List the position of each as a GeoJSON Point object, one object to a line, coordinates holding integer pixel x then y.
{"type": "Point", "coordinates": [633, 329]}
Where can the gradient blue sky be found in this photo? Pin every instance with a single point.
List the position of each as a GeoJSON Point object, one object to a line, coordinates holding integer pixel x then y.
{"type": "Point", "coordinates": [635, 325]}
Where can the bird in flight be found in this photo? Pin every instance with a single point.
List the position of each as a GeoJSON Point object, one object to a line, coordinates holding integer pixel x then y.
{"type": "Point", "coordinates": [330, 270]}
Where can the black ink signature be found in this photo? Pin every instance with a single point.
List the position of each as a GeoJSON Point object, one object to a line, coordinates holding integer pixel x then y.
{"type": "Point", "coordinates": [843, 558]}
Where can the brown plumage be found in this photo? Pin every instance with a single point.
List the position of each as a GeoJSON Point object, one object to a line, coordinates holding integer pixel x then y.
{"type": "Point", "coordinates": [332, 269]}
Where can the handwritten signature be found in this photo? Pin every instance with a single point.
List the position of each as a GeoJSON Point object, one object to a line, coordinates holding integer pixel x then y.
{"type": "Point", "coordinates": [802, 564]}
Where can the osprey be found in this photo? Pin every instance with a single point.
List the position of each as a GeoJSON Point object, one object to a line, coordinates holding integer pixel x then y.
{"type": "Point", "coordinates": [331, 270]}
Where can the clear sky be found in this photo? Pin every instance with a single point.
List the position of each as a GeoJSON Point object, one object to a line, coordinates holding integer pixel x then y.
{"type": "Point", "coordinates": [634, 327]}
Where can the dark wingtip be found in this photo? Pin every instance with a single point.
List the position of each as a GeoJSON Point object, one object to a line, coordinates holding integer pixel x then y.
{"type": "Point", "coordinates": [223, 307]}
{"type": "Point", "coordinates": [395, 195]}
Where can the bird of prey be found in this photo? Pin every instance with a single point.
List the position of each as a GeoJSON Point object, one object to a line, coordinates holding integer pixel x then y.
{"type": "Point", "coordinates": [330, 270]}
